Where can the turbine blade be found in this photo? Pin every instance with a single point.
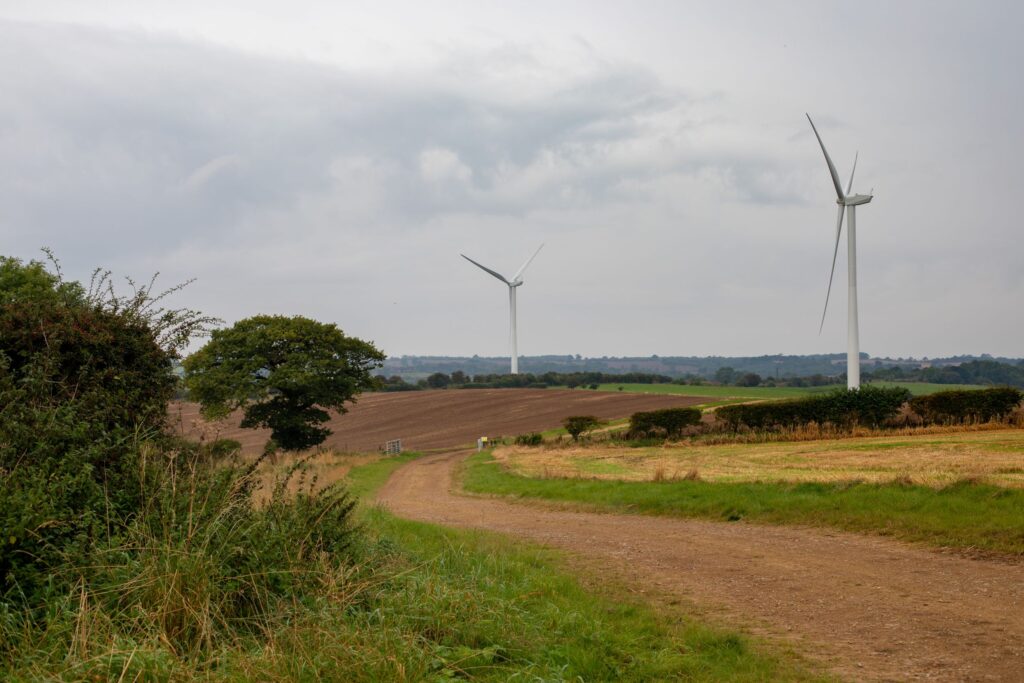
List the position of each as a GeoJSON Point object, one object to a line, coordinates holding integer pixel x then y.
{"type": "Point", "coordinates": [486, 269]}
{"type": "Point", "coordinates": [849, 187]}
{"type": "Point", "coordinates": [835, 252]}
{"type": "Point", "coordinates": [522, 269]}
{"type": "Point", "coordinates": [828, 160]}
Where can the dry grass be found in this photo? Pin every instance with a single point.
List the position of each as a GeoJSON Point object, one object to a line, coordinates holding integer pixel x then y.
{"type": "Point", "coordinates": [930, 456]}
{"type": "Point", "coordinates": [319, 470]}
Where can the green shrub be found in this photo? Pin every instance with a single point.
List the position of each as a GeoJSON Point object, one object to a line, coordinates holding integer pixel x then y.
{"type": "Point", "coordinates": [667, 421]}
{"type": "Point", "coordinates": [531, 439]}
{"type": "Point", "coordinates": [843, 408]}
{"type": "Point", "coordinates": [85, 378]}
{"type": "Point", "coordinates": [958, 406]}
{"type": "Point", "coordinates": [578, 425]}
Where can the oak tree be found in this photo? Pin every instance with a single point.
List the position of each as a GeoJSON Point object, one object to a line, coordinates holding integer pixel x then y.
{"type": "Point", "coordinates": [284, 373]}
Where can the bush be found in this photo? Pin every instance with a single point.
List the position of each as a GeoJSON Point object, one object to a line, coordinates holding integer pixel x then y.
{"type": "Point", "coordinates": [85, 377]}
{"type": "Point", "coordinates": [107, 524]}
{"type": "Point", "coordinates": [982, 405]}
{"type": "Point", "coordinates": [532, 439]}
{"type": "Point", "coordinates": [868, 405]}
{"type": "Point", "coordinates": [577, 425]}
{"type": "Point", "coordinates": [668, 421]}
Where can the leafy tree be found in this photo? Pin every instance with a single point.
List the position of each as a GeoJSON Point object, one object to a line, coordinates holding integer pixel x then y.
{"type": "Point", "coordinates": [393, 383]}
{"type": "Point", "coordinates": [750, 379]}
{"type": "Point", "coordinates": [459, 377]}
{"type": "Point", "coordinates": [283, 372]}
{"type": "Point", "coordinates": [438, 380]}
{"type": "Point", "coordinates": [725, 375]}
{"type": "Point", "coordinates": [578, 425]}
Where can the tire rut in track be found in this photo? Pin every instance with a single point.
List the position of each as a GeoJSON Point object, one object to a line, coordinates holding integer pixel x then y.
{"type": "Point", "coordinates": [868, 607]}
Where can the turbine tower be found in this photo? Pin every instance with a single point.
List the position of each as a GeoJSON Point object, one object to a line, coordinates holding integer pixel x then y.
{"type": "Point", "coordinates": [516, 281]}
{"type": "Point", "coordinates": [849, 202]}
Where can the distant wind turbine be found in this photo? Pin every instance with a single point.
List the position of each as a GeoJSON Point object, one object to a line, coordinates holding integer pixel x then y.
{"type": "Point", "coordinates": [850, 203]}
{"type": "Point", "coordinates": [516, 281]}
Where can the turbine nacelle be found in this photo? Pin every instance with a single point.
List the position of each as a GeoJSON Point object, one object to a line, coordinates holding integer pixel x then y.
{"type": "Point", "coordinates": [855, 200]}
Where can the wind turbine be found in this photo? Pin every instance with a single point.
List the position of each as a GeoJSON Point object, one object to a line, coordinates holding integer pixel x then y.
{"type": "Point", "coordinates": [850, 202]}
{"type": "Point", "coordinates": [516, 281]}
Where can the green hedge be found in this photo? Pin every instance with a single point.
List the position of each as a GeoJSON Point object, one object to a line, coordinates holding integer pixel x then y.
{"type": "Point", "coordinates": [963, 406]}
{"type": "Point", "coordinates": [531, 439]}
{"type": "Point", "coordinates": [670, 421]}
{"type": "Point", "coordinates": [868, 406]}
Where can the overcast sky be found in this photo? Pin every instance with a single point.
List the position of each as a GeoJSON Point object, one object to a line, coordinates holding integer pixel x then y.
{"type": "Point", "coordinates": [332, 159]}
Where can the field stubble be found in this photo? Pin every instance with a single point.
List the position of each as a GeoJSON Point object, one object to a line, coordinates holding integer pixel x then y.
{"type": "Point", "coordinates": [930, 456]}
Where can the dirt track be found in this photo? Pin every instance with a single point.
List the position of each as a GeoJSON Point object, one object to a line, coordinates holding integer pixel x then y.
{"type": "Point", "coordinates": [440, 419]}
{"type": "Point", "coordinates": [869, 607]}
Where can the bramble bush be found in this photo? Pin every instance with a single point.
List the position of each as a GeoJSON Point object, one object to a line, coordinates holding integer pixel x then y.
{"type": "Point", "coordinates": [107, 523]}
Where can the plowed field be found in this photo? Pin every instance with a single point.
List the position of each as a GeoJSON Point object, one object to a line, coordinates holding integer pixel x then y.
{"type": "Point", "coordinates": [440, 419]}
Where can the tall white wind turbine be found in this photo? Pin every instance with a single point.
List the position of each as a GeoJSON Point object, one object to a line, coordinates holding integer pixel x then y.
{"type": "Point", "coordinates": [849, 202]}
{"type": "Point", "coordinates": [516, 281]}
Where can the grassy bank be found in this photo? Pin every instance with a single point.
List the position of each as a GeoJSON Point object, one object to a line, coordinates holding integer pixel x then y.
{"type": "Point", "coordinates": [964, 515]}
{"type": "Point", "coordinates": [487, 608]}
{"type": "Point", "coordinates": [231, 592]}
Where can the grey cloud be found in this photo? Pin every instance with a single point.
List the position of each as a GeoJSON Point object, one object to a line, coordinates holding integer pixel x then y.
{"type": "Point", "coordinates": [270, 179]}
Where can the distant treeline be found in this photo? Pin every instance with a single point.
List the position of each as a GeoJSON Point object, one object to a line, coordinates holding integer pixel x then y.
{"type": "Point", "coordinates": [973, 372]}
{"type": "Point", "coordinates": [460, 380]}
{"type": "Point", "coordinates": [777, 366]}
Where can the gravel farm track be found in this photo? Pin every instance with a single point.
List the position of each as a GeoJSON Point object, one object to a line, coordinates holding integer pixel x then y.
{"type": "Point", "coordinates": [866, 607]}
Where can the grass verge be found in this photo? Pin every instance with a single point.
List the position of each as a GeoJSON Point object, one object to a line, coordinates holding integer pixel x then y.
{"type": "Point", "coordinates": [964, 515]}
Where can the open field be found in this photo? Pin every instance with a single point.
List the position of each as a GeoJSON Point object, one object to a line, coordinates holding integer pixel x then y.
{"type": "Point", "coordinates": [439, 419]}
{"type": "Point", "coordinates": [960, 489]}
{"type": "Point", "coordinates": [994, 456]}
{"type": "Point", "coordinates": [765, 393]}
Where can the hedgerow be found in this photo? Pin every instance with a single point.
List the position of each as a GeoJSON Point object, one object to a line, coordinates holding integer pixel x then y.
{"type": "Point", "coordinates": [869, 406]}
{"type": "Point", "coordinates": [667, 421]}
{"type": "Point", "coordinates": [957, 406]}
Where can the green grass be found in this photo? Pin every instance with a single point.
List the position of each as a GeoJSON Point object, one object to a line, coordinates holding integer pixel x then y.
{"type": "Point", "coordinates": [365, 480]}
{"type": "Point", "coordinates": [720, 392]}
{"type": "Point", "coordinates": [922, 388]}
{"type": "Point", "coordinates": [963, 515]}
{"type": "Point", "coordinates": [735, 394]}
{"type": "Point", "coordinates": [478, 605]}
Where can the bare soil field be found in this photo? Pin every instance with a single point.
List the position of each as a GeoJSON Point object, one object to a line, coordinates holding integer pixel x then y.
{"type": "Point", "coordinates": [994, 456]}
{"type": "Point", "coordinates": [441, 419]}
{"type": "Point", "coordinates": [869, 608]}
